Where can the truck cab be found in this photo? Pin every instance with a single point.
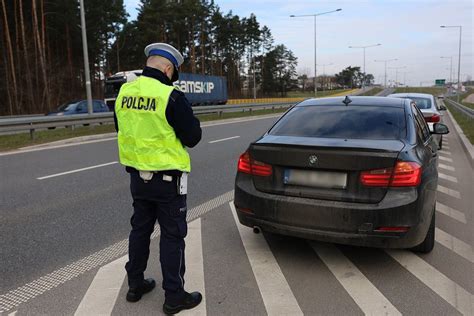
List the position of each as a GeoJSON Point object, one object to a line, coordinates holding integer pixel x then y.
{"type": "Point", "coordinates": [114, 82]}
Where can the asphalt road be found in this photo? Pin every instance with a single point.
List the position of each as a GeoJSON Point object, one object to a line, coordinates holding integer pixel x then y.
{"type": "Point", "coordinates": [62, 242]}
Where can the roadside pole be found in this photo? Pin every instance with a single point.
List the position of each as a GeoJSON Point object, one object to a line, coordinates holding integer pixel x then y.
{"type": "Point", "coordinates": [86, 59]}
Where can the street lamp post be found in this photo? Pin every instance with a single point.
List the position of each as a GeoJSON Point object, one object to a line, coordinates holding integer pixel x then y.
{"type": "Point", "coordinates": [385, 61]}
{"type": "Point", "coordinates": [459, 58]}
{"type": "Point", "coordinates": [450, 67]}
{"type": "Point", "coordinates": [324, 67]}
{"type": "Point", "coordinates": [405, 79]}
{"type": "Point", "coordinates": [364, 47]}
{"type": "Point", "coordinates": [86, 59]}
{"type": "Point", "coordinates": [314, 15]}
{"type": "Point", "coordinates": [396, 73]}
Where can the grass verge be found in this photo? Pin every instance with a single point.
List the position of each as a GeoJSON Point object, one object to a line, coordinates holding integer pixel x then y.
{"type": "Point", "coordinates": [462, 96]}
{"type": "Point", "coordinates": [228, 115]}
{"type": "Point", "coordinates": [430, 90]}
{"type": "Point", "coordinates": [466, 123]}
{"type": "Point", "coordinates": [14, 141]}
{"type": "Point", "coordinates": [310, 94]}
{"type": "Point", "coordinates": [9, 142]}
{"type": "Point", "coordinates": [371, 92]}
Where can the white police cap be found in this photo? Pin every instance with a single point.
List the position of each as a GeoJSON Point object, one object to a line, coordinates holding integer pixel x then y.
{"type": "Point", "coordinates": [167, 51]}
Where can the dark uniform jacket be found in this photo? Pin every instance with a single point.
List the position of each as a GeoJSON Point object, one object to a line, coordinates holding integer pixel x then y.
{"type": "Point", "coordinates": [178, 113]}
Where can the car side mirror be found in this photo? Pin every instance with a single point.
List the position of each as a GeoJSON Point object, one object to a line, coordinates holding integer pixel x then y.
{"type": "Point", "coordinates": [440, 128]}
{"type": "Point", "coordinates": [442, 108]}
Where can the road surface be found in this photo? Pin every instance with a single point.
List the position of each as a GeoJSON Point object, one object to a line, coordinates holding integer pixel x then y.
{"type": "Point", "coordinates": [64, 224]}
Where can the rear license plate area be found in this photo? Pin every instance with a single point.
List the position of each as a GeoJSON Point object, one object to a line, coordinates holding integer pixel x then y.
{"type": "Point", "coordinates": [315, 179]}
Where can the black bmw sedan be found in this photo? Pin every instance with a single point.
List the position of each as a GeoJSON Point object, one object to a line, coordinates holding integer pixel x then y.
{"type": "Point", "coordinates": [355, 170]}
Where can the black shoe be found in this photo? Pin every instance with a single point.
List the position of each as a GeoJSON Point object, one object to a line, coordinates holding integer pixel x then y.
{"type": "Point", "coordinates": [190, 300]}
{"type": "Point", "coordinates": [134, 294]}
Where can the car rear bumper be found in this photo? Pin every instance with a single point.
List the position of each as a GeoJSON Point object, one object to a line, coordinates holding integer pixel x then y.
{"type": "Point", "coordinates": [338, 222]}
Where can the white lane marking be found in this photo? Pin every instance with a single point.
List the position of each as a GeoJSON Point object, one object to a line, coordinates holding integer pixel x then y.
{"type": "Point", "coordinates": [77, 170]}
{"type": "Point", "coordinates": [102, 294]}
{"type": "Point", "coordinates": [223, 139]}
{"type": "Point", "coordinates": [458, 246]}
{"type": "Point", "coordinates": [364, 293]}
{"type": "Point", "coordinates": [13, 314]}
{"type": "Point", "coordinates": [275, 290]}
{"type": "Point", "coordinates": [194, 276]}
{"type": "Point", "coordinates": [451, 292]}
{"type": "Point", "coordinates": [446, 210]}
{"type": "Point", "coordinates": [446, 167]}
{"type": "Point", "coordinates": [56, 278]}
{"type": "Point", "coordinates": [449, 191]}
{"type": "Point", "coordinates": [444, 152]}
{"type": "Point", "coordinates": [27, 150]}
{"type": "Point", "coordinates": [445, 158]}
{"type": "Point", "coordinates": [446, 177]}
{"type": "Point", "coordinates": [446, 147]}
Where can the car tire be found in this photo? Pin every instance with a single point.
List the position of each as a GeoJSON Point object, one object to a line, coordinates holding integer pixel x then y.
{"type": "Point", "coordinates": [428, 244]}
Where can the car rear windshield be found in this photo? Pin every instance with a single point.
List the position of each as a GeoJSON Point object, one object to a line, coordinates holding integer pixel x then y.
{"type": "Point", "coordinates": [421, 103]}
{"type": "Point", "coordinates": [348, 122]}
{"type": "Point", "coordinates": [67, 106]}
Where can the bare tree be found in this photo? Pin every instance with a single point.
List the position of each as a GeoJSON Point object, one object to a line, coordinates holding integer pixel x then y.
{"type": "Point", "coordinates": [14, 95]}
{"type": "Point", "coordinates": [41, 53]}
{"type": "Point", "coordinates": [29, 83]}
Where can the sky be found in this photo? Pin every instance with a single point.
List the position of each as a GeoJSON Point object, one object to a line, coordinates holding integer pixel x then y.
{"type": "Point", "coordinates": [408, 30]}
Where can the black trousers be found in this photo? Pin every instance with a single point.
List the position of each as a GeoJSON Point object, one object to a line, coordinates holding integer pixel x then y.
{"type": "Point", "coordinates": [158, 200]}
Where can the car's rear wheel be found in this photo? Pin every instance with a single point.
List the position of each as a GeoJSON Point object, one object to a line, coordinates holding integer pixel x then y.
{"type": "Point", "coordinates": [428, 244]}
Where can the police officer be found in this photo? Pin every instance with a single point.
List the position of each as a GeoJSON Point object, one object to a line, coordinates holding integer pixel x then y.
{"type": "Point", "coordinates": [155, 124]}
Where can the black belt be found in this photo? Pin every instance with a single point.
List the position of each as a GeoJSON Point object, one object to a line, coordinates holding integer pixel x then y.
{"type": "Point", "coordinates": [172, 173]}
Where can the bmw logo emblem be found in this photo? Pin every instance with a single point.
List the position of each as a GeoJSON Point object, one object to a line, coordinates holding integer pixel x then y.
{"type": "Point", "coordinates": [313, 160]}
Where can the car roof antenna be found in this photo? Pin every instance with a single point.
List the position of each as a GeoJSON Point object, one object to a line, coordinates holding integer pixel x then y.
{"type": "Point", "coordinates": [347, 100]}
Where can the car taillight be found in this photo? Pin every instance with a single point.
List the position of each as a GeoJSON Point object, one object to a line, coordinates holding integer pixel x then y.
{"type": "Point", "coordinates": [248, 165]}
{"type": "Point", "coordinates": [376, 178]}
{"type": "Point", "coordinates": [405, 174]}
{"type": "Point", "coordinates": [433, 119]}
{"type": "Point", "coordinates": [244, 163]}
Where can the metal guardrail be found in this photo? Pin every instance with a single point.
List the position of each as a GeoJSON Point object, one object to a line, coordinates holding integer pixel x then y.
{"type": "Point", "coordinates": [31, 124]}
{"type": "Point", "coordinates": [461, 108]}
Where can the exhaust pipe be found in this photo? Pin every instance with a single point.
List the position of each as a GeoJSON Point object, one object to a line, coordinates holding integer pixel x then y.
{"type": "Point", "coordinates": [257, 229]}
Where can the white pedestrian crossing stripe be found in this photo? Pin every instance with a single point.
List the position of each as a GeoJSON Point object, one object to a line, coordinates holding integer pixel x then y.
{"type": "Point", "coordinates": [444, 152]}
{"type": "Point", "coordinates": [364, 293]}
{"type": "Point", "coordinates": [456, 245]}
{"type": "Point", "coordinates": [275, 290]}
{"type": "Point", "coordinates": [451, 292]}
{"type": "Point", "coordinates": [103, 292]}
{"type": "Point", "coordinates": [445, 158]}
{"type": "Point", "coordinates": [446, 210]}
{"type": "Point", "coordinates": [443, 166]}
{"type": "Point", "coordinates": [447, 177]}
{"type": "Point", "coordinates": [449, 191]}
{"type": "Point", "coordinates": [195, 266]}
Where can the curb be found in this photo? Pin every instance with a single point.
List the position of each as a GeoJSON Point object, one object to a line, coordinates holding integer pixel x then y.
{"type": "Point", "coordinates": [466, 144]}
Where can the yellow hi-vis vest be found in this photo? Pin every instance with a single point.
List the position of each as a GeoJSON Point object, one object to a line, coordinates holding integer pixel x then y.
{"type": "Point", "coordinates": [146, 141]}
